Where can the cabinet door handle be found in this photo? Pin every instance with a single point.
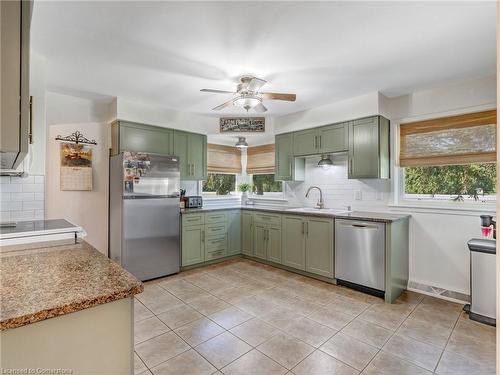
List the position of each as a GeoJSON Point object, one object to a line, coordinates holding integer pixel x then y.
{"type": "Point", "coordinates": [193, 169]}
{"type": "Point", "coordinates": [350, 165]}
{"type": "Point", "coordinates": [303, 225]}
{"type": "Point", "coordinates": [315, 141]}
{"type": "Point", "coordinates": [319, 136]}
{"type": "Point", "coordinates": [202, 236]}
{"type": "Point", "coordinates": [307, 228]}
{"type": "Point", "coordinates": [30, 131]}
{"type": "Point", "coordinates": [290, 169]}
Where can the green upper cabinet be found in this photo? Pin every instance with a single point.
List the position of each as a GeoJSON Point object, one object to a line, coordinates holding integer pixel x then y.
{"type": "Point", "coordinates": [333, 138]}
{"type": "Point", "coordinates": [322, 140]}
{"type": "Point", "coordinates": [319, 246]}
{"type": "Point", "coordinates": [234, 232]}
{"type": "Point", "coordinates": [191, 149]}
{"type": "Point", "coordinates": [369, 148]}
{"type": "Point", "coordinates": [128, 136]}
{"type": "Point", "coordinates": [286, 167]}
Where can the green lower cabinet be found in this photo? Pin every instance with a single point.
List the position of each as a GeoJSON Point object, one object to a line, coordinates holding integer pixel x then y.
{"type": "Point", "coordinates": [274, 244]}
{"type": "Point", "coordinates": [247, 233]}
{"type": "Point", "coordinates": [319, 246]}
{"type": "Point", "coordinates": [260, 241]}
{"type": "Point", "coordinates": [234, 232]}
{"type": "Point", "coordinates": [193, 244]}
{"type": "Point", "coordinates": [215, 247]}
{"type": "Point", "coordinates": [293, 242]}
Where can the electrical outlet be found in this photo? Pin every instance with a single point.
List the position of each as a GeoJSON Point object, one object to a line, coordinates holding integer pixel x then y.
{"type": "Point", "coordinates": [358, 195]}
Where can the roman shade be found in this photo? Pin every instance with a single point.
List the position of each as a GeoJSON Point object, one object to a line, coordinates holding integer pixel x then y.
{"type": "Point", "coordinates": [260, 159]}
{"type": "Point", "coordinates": [223, 159]}
{"type": "Point", "coordinates": [462, 139]}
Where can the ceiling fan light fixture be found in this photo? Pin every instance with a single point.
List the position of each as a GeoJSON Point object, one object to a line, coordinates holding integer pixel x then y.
{"type": "Point", "coordinates": [325, 162]}
{"type": "Point", "coordinates": [246, 101]}
{"type": "Point", "coordinates": [242, 143]}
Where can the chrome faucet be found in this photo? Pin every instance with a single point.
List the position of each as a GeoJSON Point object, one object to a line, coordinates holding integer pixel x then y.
{"type": "Point", "coordinates": [320, 203]}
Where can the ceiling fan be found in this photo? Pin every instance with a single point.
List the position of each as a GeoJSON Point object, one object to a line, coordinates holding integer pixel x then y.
{"type": "Point", "coordinates": [249, 96]}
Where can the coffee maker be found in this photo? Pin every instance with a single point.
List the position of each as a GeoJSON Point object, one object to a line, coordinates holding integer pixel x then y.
{"type": "Point", "coordinates": [488, 225]}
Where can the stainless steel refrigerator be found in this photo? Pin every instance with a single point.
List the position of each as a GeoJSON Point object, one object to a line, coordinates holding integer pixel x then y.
{"type": "Point", "coordinates": [144, 213]}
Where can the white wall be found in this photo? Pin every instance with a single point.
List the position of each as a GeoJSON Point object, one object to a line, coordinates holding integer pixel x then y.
{"type": "Point", "coordinates": [89, 209]}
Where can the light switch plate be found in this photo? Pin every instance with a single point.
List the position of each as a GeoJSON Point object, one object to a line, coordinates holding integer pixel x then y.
{"type": "Point", "coordinates": [358, 195]}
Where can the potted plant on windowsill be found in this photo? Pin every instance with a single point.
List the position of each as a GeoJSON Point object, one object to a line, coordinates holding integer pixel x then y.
{"type": "Point", "coordinates": [244, 188]}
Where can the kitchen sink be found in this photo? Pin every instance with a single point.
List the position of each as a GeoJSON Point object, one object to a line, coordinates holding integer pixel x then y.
{"type": "Point", "coordinates": [319, 210]}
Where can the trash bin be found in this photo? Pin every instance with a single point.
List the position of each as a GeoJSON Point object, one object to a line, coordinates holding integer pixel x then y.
{"type": "Point", "coordinates": [483, 280]}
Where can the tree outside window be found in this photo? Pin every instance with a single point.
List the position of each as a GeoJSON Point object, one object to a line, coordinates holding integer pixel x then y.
{"type": "Point", "coordinates": [219, 183]}
{"type": "Point", "coordinates": [265, 183]}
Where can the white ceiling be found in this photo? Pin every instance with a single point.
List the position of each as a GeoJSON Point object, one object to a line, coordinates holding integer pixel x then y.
{"type": "Point", "coordinates": [164, 52]}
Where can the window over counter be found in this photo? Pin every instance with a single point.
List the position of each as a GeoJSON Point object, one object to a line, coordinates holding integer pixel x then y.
{"type": "Point", "coordinates": [449, 159]}
{"type": "Point", "coordinates": [219, 184]}
{"type": "Point", "coordinates": [265, 185]}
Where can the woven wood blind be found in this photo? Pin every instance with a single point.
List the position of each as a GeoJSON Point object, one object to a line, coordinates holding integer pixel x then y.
{"type": "Point", "coordinates": [223, 159]}
{"type": "Point", "coordinates": [462, 139]}
{"type": "Point", "coordinates": [260, 159]}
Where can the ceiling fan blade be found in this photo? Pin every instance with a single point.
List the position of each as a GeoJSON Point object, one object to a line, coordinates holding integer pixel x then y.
{"type": "Point", "coordinates": [218, 91]}
{"type": "Point", "coordinates": [260, 108]}
{"type": "Point", "coordinates": [223, 105]}
{"type": "Point", "coordinates": [255, 84]}
{"type": "Point", "coordinates": [278, 96]}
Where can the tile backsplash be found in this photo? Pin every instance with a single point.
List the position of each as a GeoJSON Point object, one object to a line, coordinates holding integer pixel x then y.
{"type": "Point", "coordinates": [338, 190]}
{"type": "Point", "coordinates": [22, 198]}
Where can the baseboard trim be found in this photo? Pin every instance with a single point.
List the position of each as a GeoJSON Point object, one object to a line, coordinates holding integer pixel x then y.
{"type": "Point", "coordinates": [433, 291]}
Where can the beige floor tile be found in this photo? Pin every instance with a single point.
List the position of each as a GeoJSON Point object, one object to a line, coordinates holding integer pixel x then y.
{"type": "Point", "coordinates": [454, 364]}
{"type": "Point", "coordinates": [141, 312]}
{"type": "Point", "coordinates": [408, 297]}
{"type": "Point", "coordinates": [367, 332]}
{"type": "Point", "coordinates": [139, 366]}
{"type": "Point", "coordinates": [386, 315]}
{"type": "Point", "coordinates": [184, 290]}
{"type": "Point", "coordinates": [189, 362]}
{"type": "Point", "coordinates": [179, 316]}
{"type": "Point", "coordinates": [148, 328]}
{"type": "Point", "coordinates": [347, 305]}
{"type": "Point", "coordinates": [386, 364]}
{"type": "Point", "coordinates": [475, 330]}
{"type": "Point", "coordinates": [477, 347]}
{"type": "Point", "coordinates": [281, 317]}
{"type": "Point", "coordinates": [230, 317]}
{"type": "Point", "coordinates": [160, 349]}
{"type": "Point", "coordinates": [200, 330]}
{"type": "Point", "coordinates": [285, 350]}
{"type": "Point", "coordinates": [349, 350]}
{"type": "Point", "coordinates": [210, 283]}
{"type": "Point", "coordinates": [309, 331]}
{"type": "Point", "coordinates": [331, 318]}
{"type": "Point", "coordinates": [432, 313]}
{"type": "Point", "coordinates": [425, 331]}
{"type": "Point", "coordinates": [417, 352]}
{"type": "Point", "coordinates": [320, 363]}
{"type": "Point", "coordinates": [158, 300]}
{"type": "Point", "coordinates": [231, 294]}
{"type": "Point", "coordinates": [208, 304]}
{"type": "Point", "coordinates": [254, 331]}
{"type": "Point", "coordinates": [255, 305]}
{"type": "Point", "coordinates": [147, 372]}
{"type": "Point", "coordinates": [223, 349]}
{"type": "Point", "coordinates": [254, 362]}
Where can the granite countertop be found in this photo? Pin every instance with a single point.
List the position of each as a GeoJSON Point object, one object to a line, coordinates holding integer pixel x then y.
{"type": "Point", "coordinates": [47, 282]}
{"type": "Point", "coordinates": [378, 216]}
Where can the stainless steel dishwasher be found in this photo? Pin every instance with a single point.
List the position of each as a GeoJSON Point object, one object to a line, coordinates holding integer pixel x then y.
{"type": "Point", "coordinates": [360, 255]}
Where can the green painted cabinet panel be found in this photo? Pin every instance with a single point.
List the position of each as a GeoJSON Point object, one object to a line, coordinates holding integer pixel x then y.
{"type": "Point", "coordinates": [333, 138]}
{"type": "Point", "coordinates": [193, 244]}
{"type": "Point", "coordinates": [287, 167]}
{"type": "Point", "coordinates": [260, 241]}
{"type": "Point", "coordinates": [145, 138]}
{"type": "Point", "coordinates": [319, 246]}
{"type": "Point", "coordinates": [191, 149]}
{"type": "Point", "coordinates": [293, 242]}
{"type": "Point", "coordinates": [274, 244]}
{"type": "Point", "coordinates": [305, 142]}
{"type": "Point", "coordinates": [247, 233]}
{"type": "Point", "coordinates": [369, 148]}
{"type": "Point", "coordinates": [234, 232]}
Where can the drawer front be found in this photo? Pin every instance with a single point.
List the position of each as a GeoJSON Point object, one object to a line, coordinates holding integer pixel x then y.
{"type": "Point", "coordinates": [193, 219]}
{"type": "Point", "coordinates": [215, 254]}
{"type": "Point", "coordinates": [216, 229]}
{"type": "Point", "coordinates": [216, 243]}
{"type": "Point", "coordinates": [215, 217]}
{"type": "Point", "coordinates": [271, 219]}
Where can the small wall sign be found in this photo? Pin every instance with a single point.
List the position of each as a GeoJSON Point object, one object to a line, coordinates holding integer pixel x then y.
{"type": "Point", "coordinates": [242, 124]}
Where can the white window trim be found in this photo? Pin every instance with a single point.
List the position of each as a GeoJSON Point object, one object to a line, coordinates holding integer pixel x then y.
{"type": "Point", "coordinates": [276, 196]}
